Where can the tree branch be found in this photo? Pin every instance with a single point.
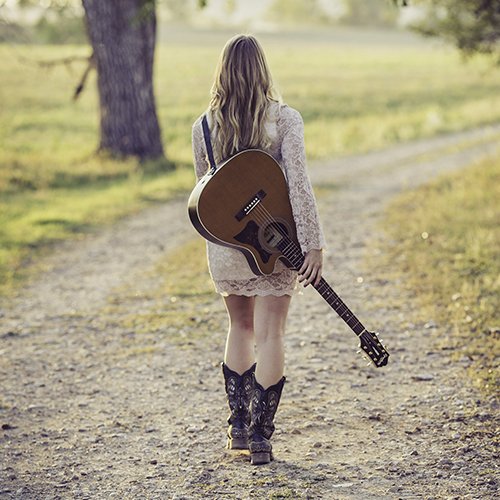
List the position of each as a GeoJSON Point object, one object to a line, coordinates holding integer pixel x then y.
{"type": "Point", "coordinates": [83, 80]}
{"type": "Point", "coordinates": [67, 62]}
{"type": "Point", "coordinates": [64, 61]}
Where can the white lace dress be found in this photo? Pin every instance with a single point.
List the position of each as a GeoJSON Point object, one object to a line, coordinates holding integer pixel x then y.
{"type": "Point", "coordinates": [228, 267]}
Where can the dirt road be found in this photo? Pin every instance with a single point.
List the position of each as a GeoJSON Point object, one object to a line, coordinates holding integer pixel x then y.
{"type": "Point", "coordinates": [90, 409]}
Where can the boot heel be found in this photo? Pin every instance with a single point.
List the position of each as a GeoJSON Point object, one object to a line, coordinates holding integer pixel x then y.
{"type": "Point", "coordinates": [260, 458]}
{"type": "Point", "coordinates": [237, 444]}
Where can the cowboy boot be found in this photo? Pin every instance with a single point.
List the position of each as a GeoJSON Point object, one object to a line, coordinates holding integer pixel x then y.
{"type": "Point", "coordinates": [239, 391]}
{"type": "Point", "coordinates": [262, 410]}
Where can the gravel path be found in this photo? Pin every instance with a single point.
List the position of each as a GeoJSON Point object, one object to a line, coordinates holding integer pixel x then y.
{"type": "Point", "coordinates": [90, 409]}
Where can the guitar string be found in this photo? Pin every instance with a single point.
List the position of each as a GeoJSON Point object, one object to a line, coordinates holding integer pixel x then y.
{"type": "Point", "coordinates": [266, 217]}
{"type": "Point", "coordinates": [263, 216]}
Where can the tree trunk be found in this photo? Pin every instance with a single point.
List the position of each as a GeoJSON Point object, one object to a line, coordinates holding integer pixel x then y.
{"type": "Point", "coordinates": [123, 35]}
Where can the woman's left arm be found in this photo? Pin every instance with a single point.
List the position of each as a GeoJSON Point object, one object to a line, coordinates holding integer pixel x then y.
{"type": "Point", "coordinates": [311, 269]}
{"type": "Point", "coordinates": [302, 200]}
{"type": "Point", "coordinates": [201, 163]}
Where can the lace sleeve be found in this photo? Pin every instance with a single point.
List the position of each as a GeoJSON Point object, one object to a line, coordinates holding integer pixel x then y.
{"type": "Point", "coordinates": [201, 164]}
{"type": "Point", "coordinates": [305, 212]}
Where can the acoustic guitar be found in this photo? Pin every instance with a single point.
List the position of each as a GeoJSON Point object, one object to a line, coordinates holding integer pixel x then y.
{"type": "Point", "coordinates": [244, 204]}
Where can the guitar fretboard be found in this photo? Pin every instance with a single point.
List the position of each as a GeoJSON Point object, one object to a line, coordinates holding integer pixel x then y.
{"type": "Point", "coordinates": [294, 255]}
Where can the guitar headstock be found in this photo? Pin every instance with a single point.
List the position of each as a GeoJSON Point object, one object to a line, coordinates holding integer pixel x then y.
{"type": "Point", "coordinates": [374, 349]}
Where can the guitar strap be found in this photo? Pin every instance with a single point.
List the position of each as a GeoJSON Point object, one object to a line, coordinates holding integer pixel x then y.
{"type": "Point", "coordinates": [208, 143]}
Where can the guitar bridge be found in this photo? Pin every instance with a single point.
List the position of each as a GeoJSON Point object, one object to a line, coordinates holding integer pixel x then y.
{"type": "Point", "coordinates": [250, 205]}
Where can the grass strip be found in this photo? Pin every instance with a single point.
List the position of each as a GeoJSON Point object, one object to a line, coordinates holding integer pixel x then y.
{"type": "Point", "coordinates": [181, 305]}
{"type": "Point", "coordinates": [444, 240]}
{"type": "Point", "coordinates": [31, 226]}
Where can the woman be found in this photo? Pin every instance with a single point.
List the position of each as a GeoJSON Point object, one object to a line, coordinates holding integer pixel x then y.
{"type": "Point", "coordinates": [244, 113]}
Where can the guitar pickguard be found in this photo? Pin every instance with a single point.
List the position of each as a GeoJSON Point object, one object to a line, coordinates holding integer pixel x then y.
{"type": "Point", "coordinates": [250, 236]}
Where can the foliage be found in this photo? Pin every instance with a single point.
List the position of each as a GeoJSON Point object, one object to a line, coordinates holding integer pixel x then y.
{"type": "Point", "coordinates": [179, 9]}
{"type": "Point", "coordinates": [372, 13]}
{"type": "Point", "coordinates": [64, 28]}
{"type": "Point", "coordinates": [59, 21]}
{"type": "Point", "coordinates": [445, 242]}
{"type": "Point", "coordinates": [350, 12]}
{"type": "Point", "coordinates": [14, 33]}
{"type": "Point", "coordinates": [472, 25]}
{"type": "Point", "coordinates": [297, 12]}
{"type": "Point", "coordinates": [60, 6]}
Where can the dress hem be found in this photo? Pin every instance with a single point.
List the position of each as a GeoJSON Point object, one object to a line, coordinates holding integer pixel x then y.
{"type": "Point", "coordinates": [259, 293]}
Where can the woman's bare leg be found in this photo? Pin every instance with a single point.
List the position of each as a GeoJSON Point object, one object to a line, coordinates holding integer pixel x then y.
{"type": "Point", "coordinates": [270, 315]}
{"type": "Point", "coordinates": [239, 355]}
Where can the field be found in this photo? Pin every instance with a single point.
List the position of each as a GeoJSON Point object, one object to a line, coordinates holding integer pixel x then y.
{"type": "Point", "coordinates": [354, 97]}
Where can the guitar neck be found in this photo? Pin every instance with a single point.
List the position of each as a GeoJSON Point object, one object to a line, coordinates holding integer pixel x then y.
{"type": "Point", "coordinates": [294, 255]}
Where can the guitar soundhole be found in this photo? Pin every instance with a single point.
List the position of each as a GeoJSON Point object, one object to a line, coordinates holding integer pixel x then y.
{"type": "Point", "coordinates": [270, 235]}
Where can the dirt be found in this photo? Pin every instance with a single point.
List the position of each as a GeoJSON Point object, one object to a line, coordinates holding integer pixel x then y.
{"type": "Point", "coordinates": [92, 409]}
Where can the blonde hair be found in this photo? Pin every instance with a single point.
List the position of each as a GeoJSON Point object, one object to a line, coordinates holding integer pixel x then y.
{"type": "Point", "coordinates": [240, 96]}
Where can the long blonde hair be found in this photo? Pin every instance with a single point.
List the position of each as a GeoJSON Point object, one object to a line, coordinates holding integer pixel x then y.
{"type": "Point", "coordinates": [240, 96]}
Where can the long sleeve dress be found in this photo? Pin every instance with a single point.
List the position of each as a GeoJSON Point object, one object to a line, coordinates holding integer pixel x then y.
{"type": "Point", "coordinates": [228, 267]}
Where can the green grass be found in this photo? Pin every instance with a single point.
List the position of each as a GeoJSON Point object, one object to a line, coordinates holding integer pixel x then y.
{"type": "Point", "coordinates": [353, 99]}
{"type": "Point", "coordinates": [445, 240]}
{"type": "Point", "coordinates": [31, 225]}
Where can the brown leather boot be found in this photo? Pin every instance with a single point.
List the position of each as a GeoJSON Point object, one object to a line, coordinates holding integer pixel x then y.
{"type": "Point", "coordinates": [239, 390]}
{"type": "Point", "coordinates": [262, 411]}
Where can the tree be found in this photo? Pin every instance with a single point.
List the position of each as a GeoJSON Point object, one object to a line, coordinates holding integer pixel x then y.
{"type": "Point", "coordinates": [123, 36]}
{"type": "Point", "coordinates": [472, 25]}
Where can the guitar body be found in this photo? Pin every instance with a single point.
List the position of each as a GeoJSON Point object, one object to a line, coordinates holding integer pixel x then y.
{"type": "Point", "coordinates": [233, 205]}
